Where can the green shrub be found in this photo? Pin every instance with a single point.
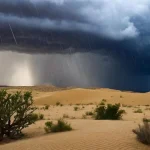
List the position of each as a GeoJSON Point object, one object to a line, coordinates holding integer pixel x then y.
{"type": "Point", "coordinates": [46, 107]}
{"type": "Point", "coordinates": [146, 120]}
{"type": "Point", "coordinates": [48, 126]}
{"type": "Point", "coordinates": [104, 100]}
{"type": "Point", "coordinates": [138, 111]}
{"type": "Point", "coordinates": [76, 108]}
{"type": "Point", "coordinates": [89, 113]}
{"type": "Point", "coordinates": [16, 113]}
{"type": "Point", "coordinates": [60, 126]}
{"type": "Point", "coordinates": [58, 103]}
{"type": "Point", "coordinates": [102, 103]}
{"type": "Point", "coordinates": [35, 116]}
{"type": "Point", "coordinates": [41, 116]}
{"type": "Point", "coordinates": [143, 132]}
{"type": "Point", "coordinates": [109, 112]}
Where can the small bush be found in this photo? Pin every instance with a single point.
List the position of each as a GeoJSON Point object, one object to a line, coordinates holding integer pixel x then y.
{"type": "Point", "coordinates": [138, 111]}
{"type": "Point", "coordinates": [89, 113]}
{"type": "Point", "coordinates": [143, 133]}
{"type": "Point", "coordinates": [16, 113]}
{"type": "Point", "coordinates": [46, 107]}
{"type": "Point", "coordinates": [58, 103]}
{"type": "Point", "coordinates": [102, 103]}
{"type": "Point", "coordinates": [146, 120]}
{"type": "Point", "coordinates": [41, 116]}
{"type": "Point", "coordinates": [104, 100]}
{"type": "Point", "coordinates": [111, 112]}
{"type": "Point", "coordinates": [35, 116]}
{"type": "Point", "coordinates": [61, 126]}
{"type": "Point", "coordinates": [76, 108]}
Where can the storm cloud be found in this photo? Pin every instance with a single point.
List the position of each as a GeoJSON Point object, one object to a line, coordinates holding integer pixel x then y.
{"type": "Point", "coordinates": [110, 19]}
{"type": "Point", "coordinates": [76, 43]}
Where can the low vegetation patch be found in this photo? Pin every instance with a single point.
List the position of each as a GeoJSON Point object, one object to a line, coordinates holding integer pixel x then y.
{"type": "Point", "coordinates": [60, 126]}
{"type": "Point", "coordinates": [58, 103]}
{"type": "Point", "coordinates": [40, 116]}
{"type": "Point", "coordinates": [102, 103]}
{"type": "Point", "coordinates": [46, 107]}
{"type": "Point", "coordinates": [138, 111]}
{"type": "Point", "coordinates": [109, 112]}
{"type": "Point", "coordinates": [89, 113]}
{"type": "Point", "coordinates": [143, 132]}
{"type": "Point", "coordinates": [104, 100]}
{"type": "Point", "coordinates": [76, 108]}
{"type": "Point", "coordinates": [146, 120]}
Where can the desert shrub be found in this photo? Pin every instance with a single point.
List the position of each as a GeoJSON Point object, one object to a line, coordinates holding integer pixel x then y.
{"type": "Point", "coordinates": [89, 113]}
{"type": "Point", "coordinates": [90, 104]}
{"type": "Point", "coordinates": [143, 132]}
{"type": "Point", "coordinates": [138, 111]}
{"type": "Point", "coordinates": [76, 108]}
{"type": "Point", "coordinates": [104, 100]}
{"type": "Point", "coordinates": [16, 113]}
{"type": "Point", "coordinates": [102, 103]}
{"type": "Point", "coordinates": [46, 107]}
{"type": "Point", "coordinates": [35, 116]}
{"type": "Point", "coordinates": [48, 126]}
{"type": "Point", "coordinates": [110, 111]}
{"type": "Point", "coordinates": [41, 117]}
{"type": "Point", "coordinates": [60, 126]}
{"type": "Point", "coordinates": [58, 103]}
{"type": "Point", "coordinates": [78, 104]}
{"type": "Point", "coordinates": [146, 120]}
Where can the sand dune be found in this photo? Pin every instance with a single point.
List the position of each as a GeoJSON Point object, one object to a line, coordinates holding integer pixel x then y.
{"type": "Point", "coordinates": [86, 96]}
{"type": "Point", "coordinates": [88, 134]}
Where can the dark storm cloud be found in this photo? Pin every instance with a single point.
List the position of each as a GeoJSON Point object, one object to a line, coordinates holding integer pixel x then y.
{"type": "Point", "coordinates": [112, 20]}
{"type": "Point", "coordinates": [114, 34]}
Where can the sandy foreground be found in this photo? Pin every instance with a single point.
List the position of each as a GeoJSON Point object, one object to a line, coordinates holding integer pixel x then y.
{"type": "Point", "coordinates": [87, 134]}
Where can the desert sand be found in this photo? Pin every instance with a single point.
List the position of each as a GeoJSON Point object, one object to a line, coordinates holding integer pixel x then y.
{"type": "Point", "coordinates": [87, 134]}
